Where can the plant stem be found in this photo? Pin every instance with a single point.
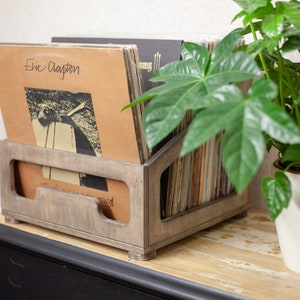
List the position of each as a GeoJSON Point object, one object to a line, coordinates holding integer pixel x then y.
{"type": "Point", "coordinates": [283, 70]}
{"type": "Point", "coordinates": [297, 114]}
{"type": "Point", "coordinates": [261, 57]}
{"type": "Point", "coordinates": [280, 78]}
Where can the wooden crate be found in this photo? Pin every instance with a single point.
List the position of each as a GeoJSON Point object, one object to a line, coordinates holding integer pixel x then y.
{"type": "Point", "coordinates": [81, 215]}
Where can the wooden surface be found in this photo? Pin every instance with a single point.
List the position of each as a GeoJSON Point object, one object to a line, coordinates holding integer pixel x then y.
{"type": "Point", "coordinates": [240, 256]}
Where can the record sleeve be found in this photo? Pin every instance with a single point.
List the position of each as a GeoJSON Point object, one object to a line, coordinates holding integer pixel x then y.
{"type": "Point", "coordinates": [70, 98]}
{"type": "Point", "coordinates": [153, 53]}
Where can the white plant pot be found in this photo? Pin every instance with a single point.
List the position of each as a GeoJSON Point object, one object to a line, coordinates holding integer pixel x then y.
{"type": "Point", "coordinates": [288, 226]}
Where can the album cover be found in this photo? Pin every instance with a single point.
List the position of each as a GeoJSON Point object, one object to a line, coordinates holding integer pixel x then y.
{"type": "Point", "coordinates": [70, 98]}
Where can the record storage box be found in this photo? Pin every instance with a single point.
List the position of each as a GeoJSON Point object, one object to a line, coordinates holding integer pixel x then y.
{"type": "Point", "coordinates": [81, 216]}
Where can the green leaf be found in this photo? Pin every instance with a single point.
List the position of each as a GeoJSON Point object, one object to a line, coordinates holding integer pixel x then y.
{"type": "Point", "coordinates": [181, 71]}
{"type": "Point", "coordinates": [243, 150]}
{"type": "Point", "coordinates": [221, 108]}
{"type": "Point", "coordinates": [238, 16]}
{"type": "Point", "coordinates": [292, 43]}
{"type": "Point", "coordinates": [164, 112]}
{"type": "Point", "coordinates": [249, 6]}
{"type": "Point", "coordinates": [209, 122]}
{"type": "Point", "coordinates": [225, 47]}
{"type": "Point", "coordinates": [259, 45]}
{"type": "Point", "coordinates": [144, 97]}
{"type": "Point", "coordinates": [291, 154]}
{"type": "Point", "coordinates": [222, 94]}
{"type": "Point", "coordinates": [273, 119]}
{"type": "Point", "coordinates": [193, 66]}
{"type": "Point", "coordinates": [272, 25]}
{"type": "Point", "coordinates": [263, 11]}
{"type": "Point", "coordinates": [291, 12]}
{"type": "Point", "coordinates": [236, 67]}
{"type": "Point", "coordinates": [277, 192]}
{"type": "Point", "coordinates": [197, 54]}
{"type": "Point", "coordinates": [263, 90]}
{"type": "Point", "coordinates": [297, 101]}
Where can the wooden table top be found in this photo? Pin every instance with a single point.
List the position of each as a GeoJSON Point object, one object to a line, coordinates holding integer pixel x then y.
{"type": "Point", "coordinates": [240, 256]}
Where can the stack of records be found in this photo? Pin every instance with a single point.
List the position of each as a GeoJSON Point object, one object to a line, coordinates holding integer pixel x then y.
{"type": "Point", "coordinates": [69, 97]}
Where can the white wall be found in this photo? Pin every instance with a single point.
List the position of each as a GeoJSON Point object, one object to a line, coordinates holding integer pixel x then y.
{"type": "Point", "coordinates": [39, 20]}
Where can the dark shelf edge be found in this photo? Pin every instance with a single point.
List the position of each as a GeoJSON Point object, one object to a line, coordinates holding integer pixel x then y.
{"type": "Point", "coordinates": [121, 272]}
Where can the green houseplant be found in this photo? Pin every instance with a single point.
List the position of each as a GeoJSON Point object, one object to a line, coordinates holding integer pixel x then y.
{"type": "Point", "coordinates": [207, 83]}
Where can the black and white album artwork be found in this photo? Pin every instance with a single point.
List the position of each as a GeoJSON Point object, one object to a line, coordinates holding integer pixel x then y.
{"type": "Point", "coordinates": [66, 121]}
